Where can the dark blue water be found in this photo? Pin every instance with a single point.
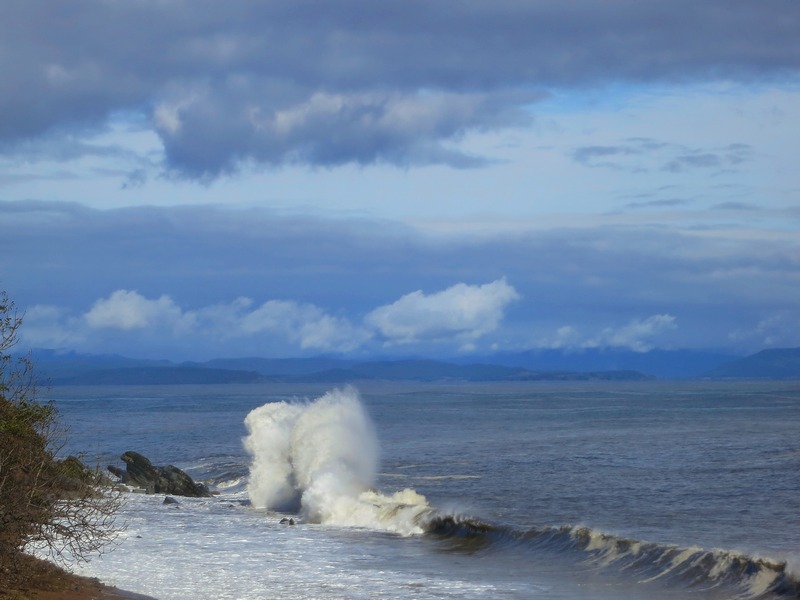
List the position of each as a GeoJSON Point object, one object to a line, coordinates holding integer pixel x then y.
{"type": "Point", "coordinates": [604, 488]}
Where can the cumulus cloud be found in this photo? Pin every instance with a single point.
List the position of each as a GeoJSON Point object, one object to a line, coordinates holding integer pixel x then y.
{"type": "Point", "coordinates": [308, 81]}
{"type": "Point", "coordinates": [128, 310]}
{"type": "Point", "coordinates": [304, 326]}
{"type": "Point", "coordinates": [458, 315]}
{"type": "Point", "coordinates": [638, 335]}
{"type": "Point", "coordinates": [465, 312]}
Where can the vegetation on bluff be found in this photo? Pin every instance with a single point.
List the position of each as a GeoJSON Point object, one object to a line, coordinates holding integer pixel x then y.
{"type": "Point", "coordinates": [54, 505]}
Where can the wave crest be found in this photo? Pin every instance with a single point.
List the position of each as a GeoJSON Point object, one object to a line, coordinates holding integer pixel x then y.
{"type": "Point", "coordinates": [693, 567]}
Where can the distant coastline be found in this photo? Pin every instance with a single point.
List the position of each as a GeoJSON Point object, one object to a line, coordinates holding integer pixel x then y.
{"type": "Point", "coordinates": [71, 368]}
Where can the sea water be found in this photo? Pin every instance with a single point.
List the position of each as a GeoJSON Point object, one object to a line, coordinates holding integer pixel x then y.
{"type": "Point", "coordinates": [538, 490]}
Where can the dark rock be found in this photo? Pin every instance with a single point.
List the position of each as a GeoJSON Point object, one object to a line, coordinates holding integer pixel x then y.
{"type": "Point", "coordinates": [170, 500]}
{"type": "Point", "coordinates": [139, 471]}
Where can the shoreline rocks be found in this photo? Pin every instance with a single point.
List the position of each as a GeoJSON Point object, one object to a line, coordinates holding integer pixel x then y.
{"type": "Point", "coordinates": [139, 471]}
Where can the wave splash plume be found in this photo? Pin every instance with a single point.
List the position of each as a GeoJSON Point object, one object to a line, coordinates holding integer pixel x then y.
{"type": "Point", "coordinates": [321, 459]}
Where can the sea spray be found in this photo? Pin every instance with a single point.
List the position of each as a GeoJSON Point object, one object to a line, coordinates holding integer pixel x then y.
{"type": "Point", "coordinates": [321, 459]}
{"type": "Point", "coordinates": [269, 443]}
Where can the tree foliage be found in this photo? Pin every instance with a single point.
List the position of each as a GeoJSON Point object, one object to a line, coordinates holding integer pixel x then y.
{"type": "Point", "coordinates": [59, 506]}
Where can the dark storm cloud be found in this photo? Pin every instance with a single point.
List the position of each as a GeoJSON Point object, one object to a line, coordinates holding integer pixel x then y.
{"type": "Point", "coordinates": [320, 82]}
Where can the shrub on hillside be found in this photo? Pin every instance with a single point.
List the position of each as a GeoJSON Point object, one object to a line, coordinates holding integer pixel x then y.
{"type": "Point", "coordinates": [59, 506]}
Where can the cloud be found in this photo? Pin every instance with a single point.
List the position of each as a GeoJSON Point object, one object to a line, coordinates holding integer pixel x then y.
{"type": "Point", "coordinates": [465, 312]}
{"type": "Point", "coordinates": [728, 158]}
{"type": "Point", "coordinates": [639, 155]}
{"type": "Point", "coordinates": [778, 330]}
{"type": "Point", "coordinates": [301, 325]}
{"type": "Point", "coordinates": [600, 156]}
{"type": "Point", "coordinates": [592, 276]}
{"type": "Point", "coordinates": [47, 326]}
{"type": "Point", "coordinates": [128, 310]}
{"type": "Point", "coordinates": [306, 81]}
{"type": "Point", "coordinates": [637, 335]}
{"type": "Point", "coordinates": [305, 325]}
{"type": "Point", "coordinates": [457, 315]}
{"type": "Point", "coordinates": [663, 203]}
{"type": "Point", "coordinates": [735, 206]}
{"type": "Point", "coordinates": [329, 129]}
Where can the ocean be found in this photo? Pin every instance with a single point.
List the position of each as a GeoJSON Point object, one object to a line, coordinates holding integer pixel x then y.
{"type": "Point", "coordinates": [639, 490]}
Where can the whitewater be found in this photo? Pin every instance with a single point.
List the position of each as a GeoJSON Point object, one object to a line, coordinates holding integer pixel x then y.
{"type": "Point", "coordinates": [320, 459]}
{"type": "Point", "coordinates": [646, 490]}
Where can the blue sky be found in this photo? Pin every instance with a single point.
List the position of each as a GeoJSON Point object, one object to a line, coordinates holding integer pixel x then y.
{"type": "Point", "coordinates": [191, 180]}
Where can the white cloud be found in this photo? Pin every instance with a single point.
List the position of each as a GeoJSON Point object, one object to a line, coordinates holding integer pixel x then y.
{"type": "Point", "coordinates": [462, 312]}
{"type": "Point", "coordinates": [781, 329]}
{"type": "Point", "coordinates": [460, 315]}
{"type": "Point", "coordinates": [223, 320]}
{"type": "Point", "coordinates": [636, 335]}
{"type": "Point", "coordinates": [167, 118]}
{"type": "Point", "coordinates": [457, 317]}
{"type": "Point", "coordinates": [128, 310]}
{"type": "Point", "coordinates": [306, 325]}
{"type": "Point", "coordinates": [565, 337]}
{"type": "Point", "coordinates": [48, 326]}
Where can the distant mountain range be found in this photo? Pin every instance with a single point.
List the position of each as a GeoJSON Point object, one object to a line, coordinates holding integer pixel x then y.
{"type": "Point", "coordinates": [663, 364]}
{"type": "Point", "coordinates": [776, 363]}
{"type": "Point", "coordinates": [78, 369]}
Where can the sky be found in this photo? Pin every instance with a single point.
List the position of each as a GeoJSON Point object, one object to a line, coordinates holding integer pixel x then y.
{"type": "Point", "coordinates": [203, 179]}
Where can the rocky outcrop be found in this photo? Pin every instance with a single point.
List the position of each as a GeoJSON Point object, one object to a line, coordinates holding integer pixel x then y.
{"type": "Point", "coordinates": [140, 472]}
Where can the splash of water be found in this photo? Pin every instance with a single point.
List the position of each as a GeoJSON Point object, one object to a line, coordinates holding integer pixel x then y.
{"type": "Point", "coordinates": [321, 459]}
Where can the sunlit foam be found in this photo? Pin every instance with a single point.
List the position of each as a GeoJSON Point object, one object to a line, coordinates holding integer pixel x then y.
{"type": "Point", "coordinates": [321, 458]}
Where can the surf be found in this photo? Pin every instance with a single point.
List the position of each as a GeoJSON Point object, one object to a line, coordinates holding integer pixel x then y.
{"type": "Point", "coordinates": [699, 569]}
{"type": "Point", "coordinates": [320, 459]}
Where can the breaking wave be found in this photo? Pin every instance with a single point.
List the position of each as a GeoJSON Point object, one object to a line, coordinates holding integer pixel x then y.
{"type": "Point", "coordinates": [320, 459]}
{"type": "Point", "coordinates": [742, 576]}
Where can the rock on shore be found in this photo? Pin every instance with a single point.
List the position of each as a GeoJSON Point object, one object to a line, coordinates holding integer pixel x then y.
{"type": "Point", "coordinates": [139, 471]}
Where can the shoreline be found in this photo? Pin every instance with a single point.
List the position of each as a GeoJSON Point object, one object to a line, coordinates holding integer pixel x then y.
{"type": "Point", "coordinates": [89, 589]}
{"type": "Point", "coordinates": [40, 579]}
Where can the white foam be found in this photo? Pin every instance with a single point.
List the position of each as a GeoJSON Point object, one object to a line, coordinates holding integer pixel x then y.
{"type": "Point", "coordinates": [322, 458]}
{"type": "Point", "coordinates": [269, 443]}
{"type": "Point", "coordinates": [215, 548]}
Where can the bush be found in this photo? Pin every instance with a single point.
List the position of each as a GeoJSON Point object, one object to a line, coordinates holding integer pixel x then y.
{"type": "Point", "coordinates": [58, 506]}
